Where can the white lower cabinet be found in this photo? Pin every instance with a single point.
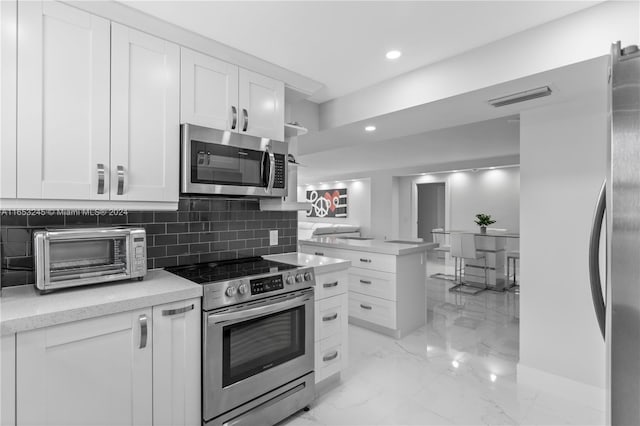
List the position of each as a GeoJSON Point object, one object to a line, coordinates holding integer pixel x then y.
{"type": "Point", "coordinates": [331, 322]}
{"type": "Point", "coordinates": [8, 380]}
{"type": "Point", "coordinates": [91, 372]}
{"type": "Point", "coordinates": [139, 367]}
{"type": "Point", "coordinates": [176, 363]}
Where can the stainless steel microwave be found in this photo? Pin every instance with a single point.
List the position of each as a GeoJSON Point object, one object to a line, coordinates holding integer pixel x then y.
{"type": "Point", "coordinates": [221, 162]}
{"type": "Point", "coordinates": [81, 256]}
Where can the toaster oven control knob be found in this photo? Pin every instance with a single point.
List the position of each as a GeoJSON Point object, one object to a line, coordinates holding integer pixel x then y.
{"type": "Point", "coordinates": [290, 280]}
{"type": "Point", "coordinates": [307, 276]}
{"type": "Point", "coordinates": [231, 291]}
{"type": "Point", "coordinates": [243, 288]}
{"type": "Point", "coordinates": [299, 278]}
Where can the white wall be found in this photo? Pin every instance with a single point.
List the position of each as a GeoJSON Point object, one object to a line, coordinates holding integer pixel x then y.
{"type": "Point", "coordinates": [358, 208]}
{"type": "Point", "coordinates": [495, 192]}
{"type": "Point", "coordinates": [563, 164]}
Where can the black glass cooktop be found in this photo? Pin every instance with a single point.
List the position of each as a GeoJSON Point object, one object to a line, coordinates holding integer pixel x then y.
{"type": "Point", "coordinates": [203, 273]}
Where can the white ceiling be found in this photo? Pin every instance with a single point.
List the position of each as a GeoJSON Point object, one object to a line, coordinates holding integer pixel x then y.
{"type": "Point", "coordinates": [342, 44]}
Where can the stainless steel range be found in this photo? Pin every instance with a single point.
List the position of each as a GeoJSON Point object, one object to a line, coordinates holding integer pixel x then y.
{"type": "Point", "coordinates": [257, 340]}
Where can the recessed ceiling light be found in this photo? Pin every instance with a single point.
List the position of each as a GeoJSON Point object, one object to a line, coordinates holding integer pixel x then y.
{"type": "Point", "coordinates": [370, 128]}
{"type": "Point", "coordinates": [393, 54]}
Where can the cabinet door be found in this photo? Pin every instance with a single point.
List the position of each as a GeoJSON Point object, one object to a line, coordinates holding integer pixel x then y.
{"type": "Point", "coordinates": [208, 91]}
{"type": "Point", "coordinates": [90, 372]}
{"type": "Point", "coordinates": [8, 81]}
{"type": "Point", "coordinates": [176, 363]}
{"type": "Point", "coordinates": [262, 105]}
{"type": "Point", "coordinates": [63, 102]}
{"type": "Point", "coordinates": [8, 382]}
{"type": "Point", "coordinates": [145, 129]}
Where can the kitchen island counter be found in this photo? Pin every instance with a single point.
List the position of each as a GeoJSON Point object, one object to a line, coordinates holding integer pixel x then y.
{"type": "Point", "coordinates": [369, 245]}
{"type": "Point", "coordinates": [22, 308]}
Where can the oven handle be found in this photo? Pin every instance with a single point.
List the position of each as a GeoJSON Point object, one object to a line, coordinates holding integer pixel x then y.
{"type": "Point", "coordinates": [248, 314]}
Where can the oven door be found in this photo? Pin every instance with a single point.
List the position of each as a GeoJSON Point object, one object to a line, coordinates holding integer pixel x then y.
{"type": "Point", "coordinates": [249, 351]}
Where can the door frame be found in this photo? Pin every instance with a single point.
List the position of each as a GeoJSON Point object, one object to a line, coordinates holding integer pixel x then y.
{"type": "Point", "coordinates": [414, 200]}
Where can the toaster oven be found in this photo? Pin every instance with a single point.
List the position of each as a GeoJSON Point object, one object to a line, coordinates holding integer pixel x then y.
{"type": "Point", "coordinates": [83, 256]}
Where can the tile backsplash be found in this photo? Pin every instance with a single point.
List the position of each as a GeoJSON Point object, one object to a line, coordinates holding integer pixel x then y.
{"type": "Point", "coordinates": [202, 230]}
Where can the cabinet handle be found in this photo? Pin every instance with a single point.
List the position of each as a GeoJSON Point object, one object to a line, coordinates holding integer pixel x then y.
{"type": "Point", "coordinates": [367, 307]}
{"type": "Point", "coordinates": [331, 356]}
{"type": "Point", "coordinates": [365, 281]}
{"type": "Point", "coordinates": [318, 253]}
{"type": "Point", "coordinates": [365, 260]}
{"type": "Point", "coordinates": [100, 178]}
{"type": "Point", "coordinates": [143, 331]}
{"type": "Point", "coordinates": [120, 180]}
{"type": "Point", "coordinates": [234, 117]}
{"type": "Point", "coordinates": [333, 284]}
{"type": "Point", "coordinates": [169, 312]}
{"type": "Point", "coordinates": [330, 317]}
{"type": "Point", "coordinates": [245, 115]}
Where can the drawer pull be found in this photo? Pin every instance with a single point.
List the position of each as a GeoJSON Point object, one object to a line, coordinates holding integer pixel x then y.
{"type": "Point", "coordinates": [367, 307]}
{"type": "Point", "coordinates": [319, 253]}
{"type": "Point", "coordinates": [168, 312]}
{"type": "Point", "coordinates": [330, 317]}
{"type": "Point", "coordinates": [330, 356]}
{"type": "Point", "coordinates": [333, 284]}
{"type": "Point", "coordinates": [365, 260]}
{"type": "Point", "coordinates": [365, 281]}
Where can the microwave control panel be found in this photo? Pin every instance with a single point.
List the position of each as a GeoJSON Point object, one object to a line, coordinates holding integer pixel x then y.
{"type": "Point", "coordinates": [138, 255]}
{"type": "Point", "coordinates": [280, 171]}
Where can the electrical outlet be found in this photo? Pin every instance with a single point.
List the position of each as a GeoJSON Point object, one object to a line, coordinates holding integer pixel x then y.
{"type": "Point", "coordinates": [273, 237]}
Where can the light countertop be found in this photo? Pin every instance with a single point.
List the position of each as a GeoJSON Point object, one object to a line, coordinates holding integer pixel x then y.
{"type": "Point", "coordinates": [321, 264]}
{"type": "Point", "coordinates": [23, 308]}
{"type": "Point", "coordinates": [373, 246]}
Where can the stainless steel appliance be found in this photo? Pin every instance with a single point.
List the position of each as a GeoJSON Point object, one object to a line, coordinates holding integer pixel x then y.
{"type": "Point", "coordinates": [221, 162]}
{"type": "Point", "coordinates": [74, 257]}
{"type": "Point", "coordinates": [257, 340]}
{"type": "Point", "coordinates": [618, 310]}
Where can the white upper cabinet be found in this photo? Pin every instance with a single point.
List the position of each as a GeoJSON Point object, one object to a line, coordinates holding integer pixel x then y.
{"type": "Point", "coordinates": [262, 105]}
{"type": "Point", "coordinates": [223, 96]}
{"type": "Point", "coordinates": [209, 89]}
{"type": "Point", "coordinates": [63, 103]}
{"type": "Point", "coordinates": [145, 129]}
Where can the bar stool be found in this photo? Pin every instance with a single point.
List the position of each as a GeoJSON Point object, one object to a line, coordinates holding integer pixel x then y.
{"type": "Point", "coordinates": [515, 256]}
{"type": "Point", "coordinates": [439, 237]}
{"type": "Point", "coordinates": [463, 246]}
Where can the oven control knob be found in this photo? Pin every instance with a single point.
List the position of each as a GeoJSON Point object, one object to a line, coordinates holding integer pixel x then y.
{"type": "Point", "coordinates": [231, 291]}
{"type": "Point", "coordinates": [307, 276]}
{"type": "Point", "coordinates": [299, 278]}
{"type": "Point", "coordinates": [290, 280]}
{"type": "Point", "coordinates": [242, 288]}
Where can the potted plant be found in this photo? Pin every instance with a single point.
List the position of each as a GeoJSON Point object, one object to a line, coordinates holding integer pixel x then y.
{"type": "Point", "coordinates": [483, 220]}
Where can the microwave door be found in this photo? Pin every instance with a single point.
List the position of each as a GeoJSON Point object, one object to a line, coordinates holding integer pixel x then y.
{"type": "Point", "coordinates": [214, 164]}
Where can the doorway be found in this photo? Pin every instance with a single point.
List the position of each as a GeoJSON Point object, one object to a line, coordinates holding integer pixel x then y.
{"type": "Point", "coordinates": [431, 208]}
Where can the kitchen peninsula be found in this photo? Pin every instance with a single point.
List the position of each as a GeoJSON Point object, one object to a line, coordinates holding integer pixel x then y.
{"type": "Point", "coordinates": [386, 280]}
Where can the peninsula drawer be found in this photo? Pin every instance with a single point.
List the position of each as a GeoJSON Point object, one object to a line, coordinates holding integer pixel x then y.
{"type": "Point", "coordinates": [373, 283]}
{"type": "Point", "coordinates": [372, 309]}
{"type": "Point", "coordinates": [329, 357]}
{"type": "Point", "coordinates": [331, 313]}
{"type": "Point", "coordinates": [369, 260]}
{"type": "Point", "coordinates": [331, 284]}
{"type": "Point", "coordinates": [322, 251]}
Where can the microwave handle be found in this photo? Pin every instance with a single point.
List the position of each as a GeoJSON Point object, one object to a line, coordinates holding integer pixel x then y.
{"type": "Point", "coordinates": [272, 170]}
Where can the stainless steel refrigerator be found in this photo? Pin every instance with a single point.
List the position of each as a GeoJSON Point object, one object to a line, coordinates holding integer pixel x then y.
{"type": "Point", "coordinates": [617, 303]}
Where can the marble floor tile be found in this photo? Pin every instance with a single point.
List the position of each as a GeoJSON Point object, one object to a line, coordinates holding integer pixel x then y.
{"type": "Point", "coordinates": [459, 369]}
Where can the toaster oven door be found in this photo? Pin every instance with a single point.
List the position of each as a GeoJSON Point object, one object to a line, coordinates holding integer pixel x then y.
{"type": "Point", "coordinates": [73, 260]}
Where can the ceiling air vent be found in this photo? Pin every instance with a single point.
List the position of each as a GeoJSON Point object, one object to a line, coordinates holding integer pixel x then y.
{"type": "Point", "coordinates": [527, 95]}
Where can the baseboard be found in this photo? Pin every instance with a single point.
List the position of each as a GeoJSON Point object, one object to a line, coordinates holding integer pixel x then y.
{"type": "Point", "coordinates": [564, 387]}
